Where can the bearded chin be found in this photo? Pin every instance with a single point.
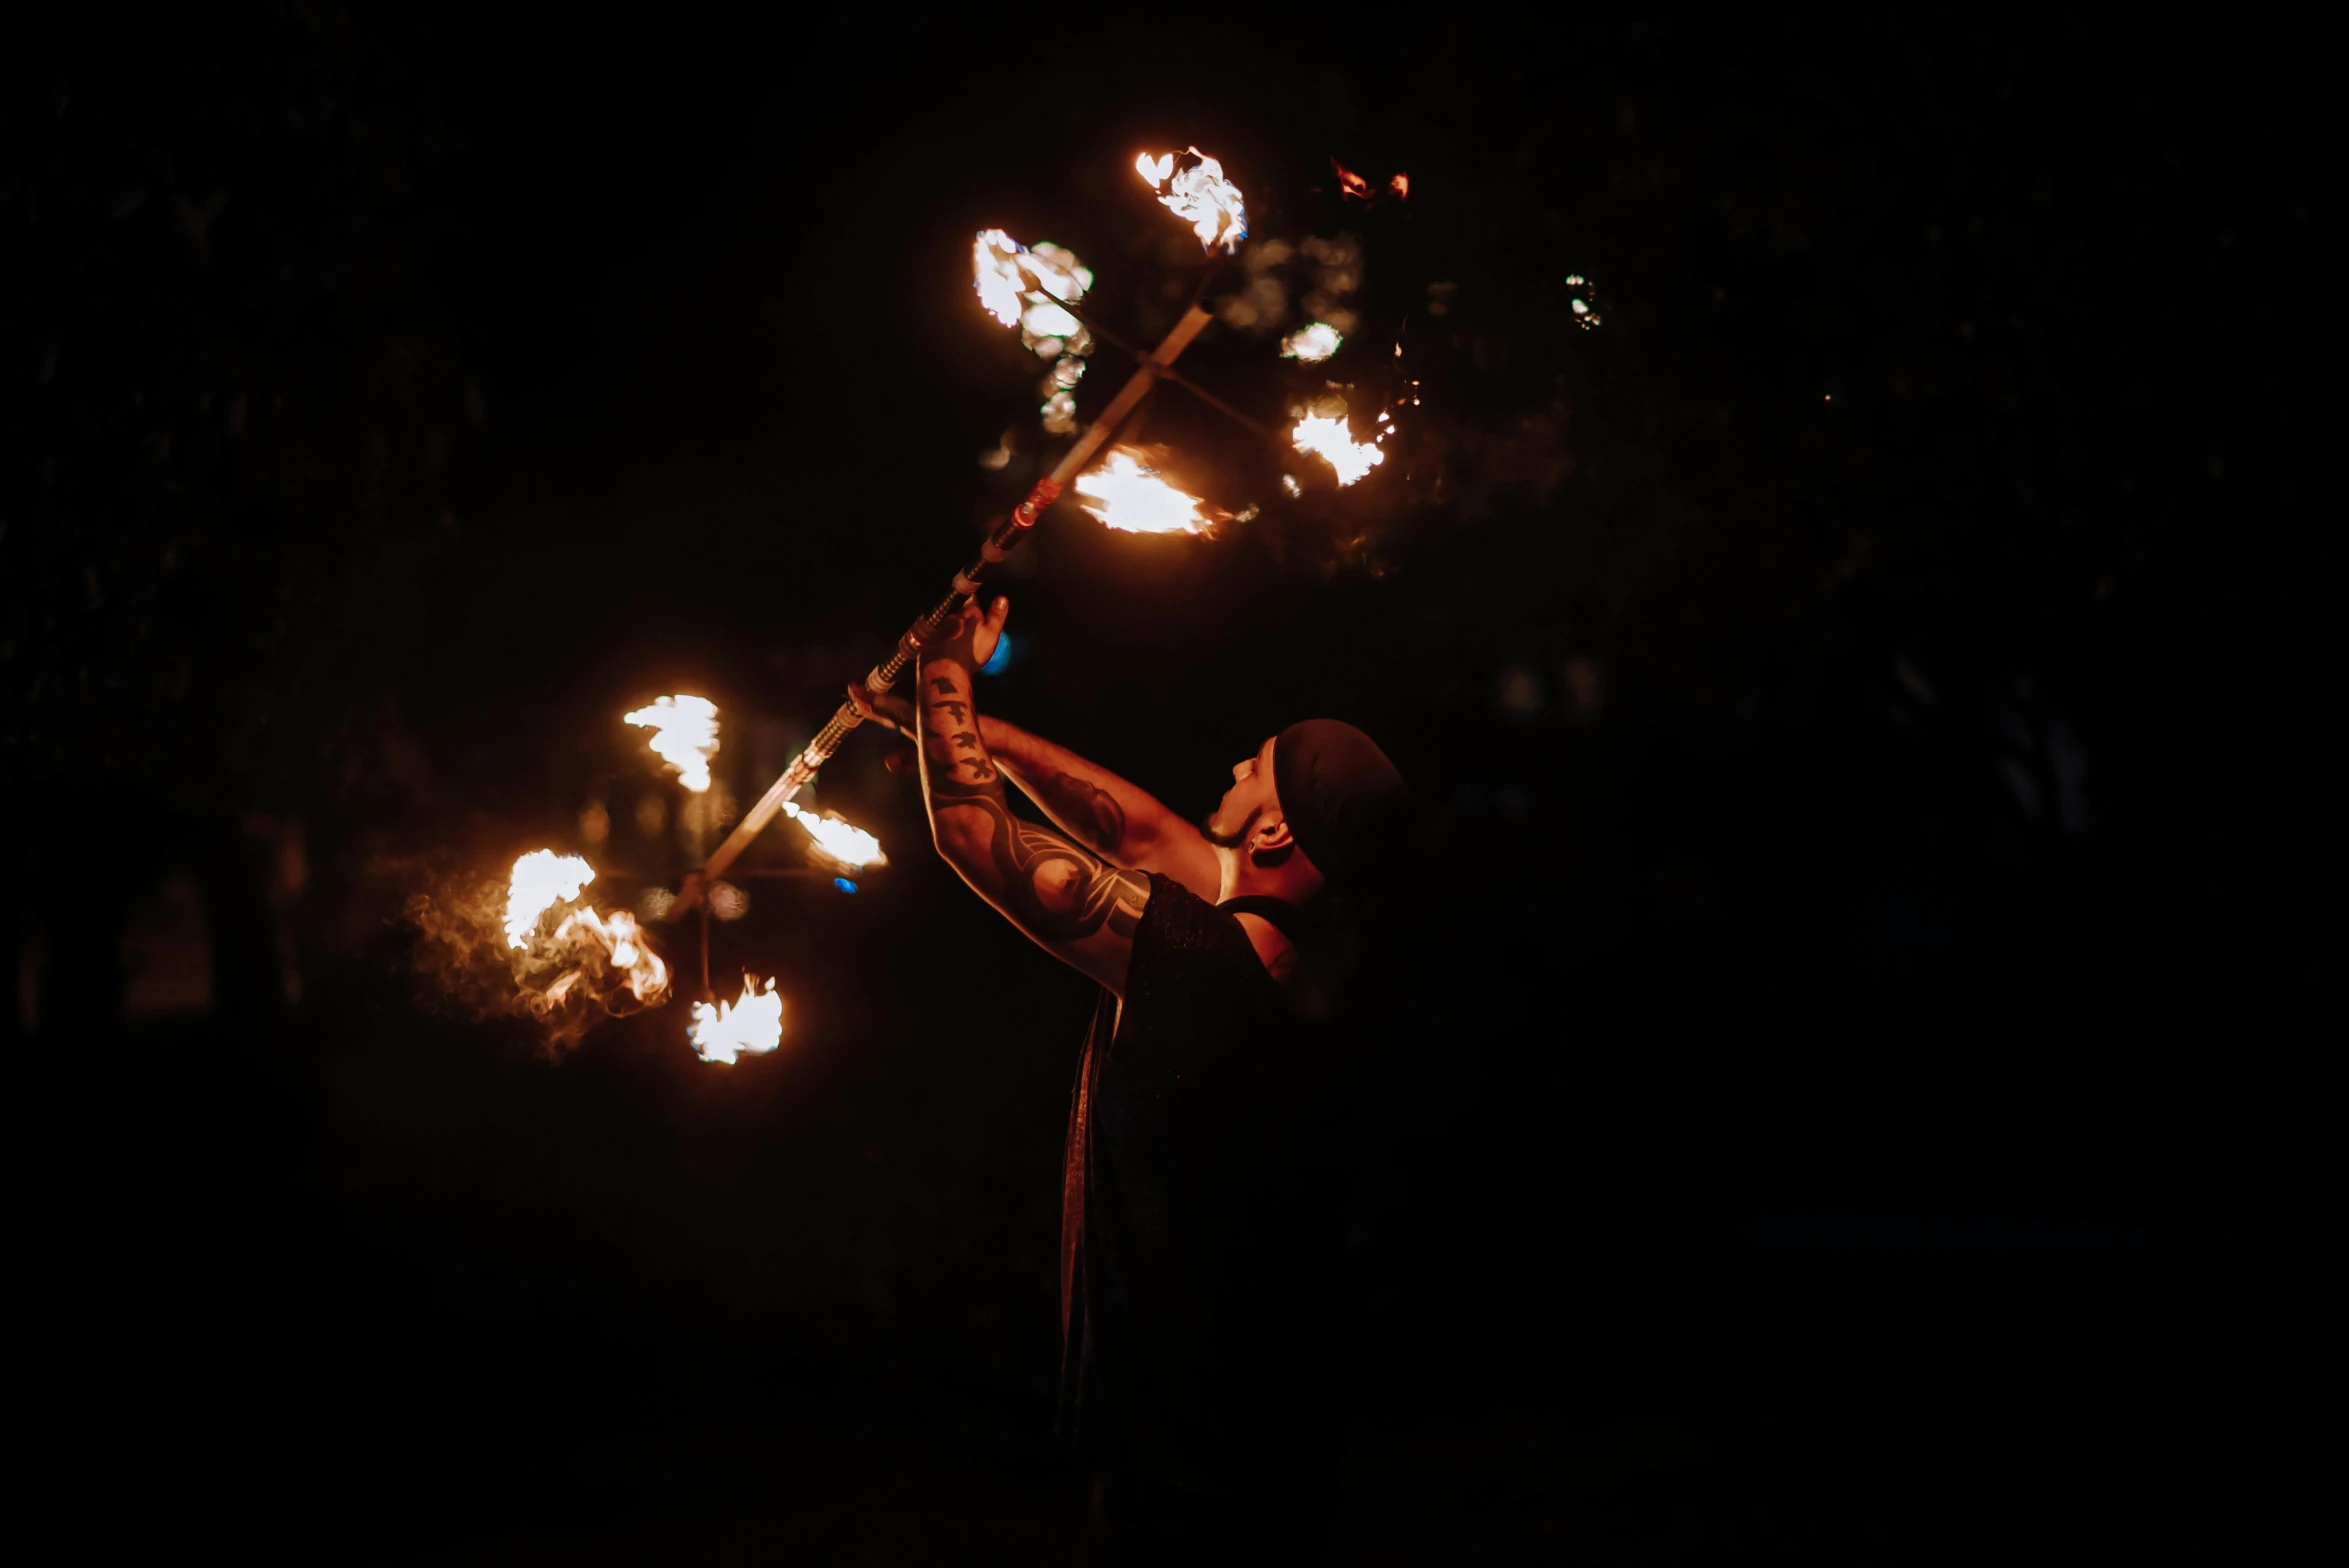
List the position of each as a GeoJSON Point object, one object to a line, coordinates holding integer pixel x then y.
{"type": "Point", "coordinates": [1229, 840]}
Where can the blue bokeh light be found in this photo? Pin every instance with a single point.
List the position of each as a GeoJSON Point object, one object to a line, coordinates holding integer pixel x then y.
{"type": "Point", "coordinates": [1002, 658]}
{"type": "Point", "coordinates": [844, 884]}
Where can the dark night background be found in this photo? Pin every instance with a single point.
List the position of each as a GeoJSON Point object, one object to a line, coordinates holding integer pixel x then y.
{"type": "Point", "coordinates": [1872, 1086]}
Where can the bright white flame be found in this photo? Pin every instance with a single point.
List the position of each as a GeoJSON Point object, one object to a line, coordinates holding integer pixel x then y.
{"type": "Point", "coordinates": [1312, 344]}
{"type": "Point", "coordinates": [1056, 271]}
{"type": "Point", "coordinates": [726, 1032]}
{"type": "Point", "coordinates": [542, 879]}
{"type": "Point", "coordinates": [995, 269]}
{"type": "Point", "coordinates": [1328, 438]}
{"type": "Point", "coordinates": [1003, 270]}
{"type": "Point", "coordinates": [1200, 196]}
{"type": "Point", "coordinates": [1049, 321]}
{"type": "Point", "coordinates": [684, 735]}
{"type": "Point", "coordinates": [839, 840]}
{"type": "Point", "coordinates": [1127, 494]}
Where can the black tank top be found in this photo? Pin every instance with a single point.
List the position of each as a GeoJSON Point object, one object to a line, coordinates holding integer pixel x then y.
{"type": "Point", "coordinates": [1198, 1218]}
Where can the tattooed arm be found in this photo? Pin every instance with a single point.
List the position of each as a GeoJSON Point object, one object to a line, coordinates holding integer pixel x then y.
{"type": "Point", "coordinates": [1103, 812]}
{"type": "Point", "coordinates": [1115, 819]}
{"type": "Point", "coordinates": [1069, 900]}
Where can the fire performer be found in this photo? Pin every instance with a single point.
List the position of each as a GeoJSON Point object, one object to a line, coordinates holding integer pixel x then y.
{"type": "Point", "coordinates": [1200, 1373]}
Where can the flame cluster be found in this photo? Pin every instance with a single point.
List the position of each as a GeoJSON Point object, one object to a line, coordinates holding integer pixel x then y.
{"type": "Point", "coordinates": [1032, 290]}
{"type": "Point", "coordinates": [1192, 187]}
{"type": "Point", "coordinates": [684, 735]}
{"type": "Point", "coordinates": [586, 952]}
{"type": "Point", "coordinates": [750, 1026]}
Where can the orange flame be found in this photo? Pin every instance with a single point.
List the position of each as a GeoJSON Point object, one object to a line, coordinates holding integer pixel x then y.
{"type": "Point", "coordinates": [727, 1032]}
{"type": "Point", "coordinates": [1327, 437]}
{"type": "Point", "coordinates": [1127, 494]}
{"type": "Point", "coordinates": [1354, 185]}
{"type": "Point", "coordinates": [838, 840]}
{"type": "Point", "coordinates": [1198, 194]}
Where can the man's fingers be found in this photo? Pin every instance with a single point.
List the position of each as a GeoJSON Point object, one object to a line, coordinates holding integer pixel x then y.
{"type": "Point", "coordinates": [894, 712]}
{"type": "Point", "coordinates": [998, 613]}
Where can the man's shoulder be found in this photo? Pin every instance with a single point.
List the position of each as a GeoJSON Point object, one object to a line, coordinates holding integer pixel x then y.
{"type": "Point", "coordinates": [1178, 922]}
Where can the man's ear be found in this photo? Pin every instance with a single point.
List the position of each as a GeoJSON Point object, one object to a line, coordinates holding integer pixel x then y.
{"type": "Point", "coordinates": [1271, 844]}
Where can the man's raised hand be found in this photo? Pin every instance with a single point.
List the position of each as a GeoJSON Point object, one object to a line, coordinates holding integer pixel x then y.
{"type": "Point", "coordinates": [970, 637]}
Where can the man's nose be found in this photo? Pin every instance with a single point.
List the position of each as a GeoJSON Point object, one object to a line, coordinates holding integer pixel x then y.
{"type": "Point", "coordinates": [1239, 771]}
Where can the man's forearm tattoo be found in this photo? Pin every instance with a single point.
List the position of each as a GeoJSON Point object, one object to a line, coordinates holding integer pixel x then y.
{"type": "Point", "coordinates": [955, 756]}
{"type": "Point", "coordinates": [1057, 889]}
{"type": "Point", "coordinates": [1086, 809]}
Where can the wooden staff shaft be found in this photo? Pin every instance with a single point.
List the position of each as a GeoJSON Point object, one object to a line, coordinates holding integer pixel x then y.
{"type": "Point", "coordinates": [1000, 543]}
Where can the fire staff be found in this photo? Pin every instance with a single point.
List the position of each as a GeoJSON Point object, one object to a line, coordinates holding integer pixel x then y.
{"type": "Point", "coordinates": [1200, 1372]}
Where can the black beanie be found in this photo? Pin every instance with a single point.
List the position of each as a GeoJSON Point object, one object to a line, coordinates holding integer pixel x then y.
{"type": "Point", "coordinates": [1342, 797]}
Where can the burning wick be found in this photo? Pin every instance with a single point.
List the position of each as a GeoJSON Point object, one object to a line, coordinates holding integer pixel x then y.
{"type": "Point", "coordinates": [837, 840]}
{"type": "Point", "coordinates": [541, 880]}
{"type": "Point", "coordinates": [1127, 494]}
{"type": "Point", "coordinates": [1200, 196]}
{"type": "Point", "coordinates": [684, 735]}
{"type": "Point", "coordinates": [726, 1032]}
{"type": "Point", "coordinates": [1328, 438]}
